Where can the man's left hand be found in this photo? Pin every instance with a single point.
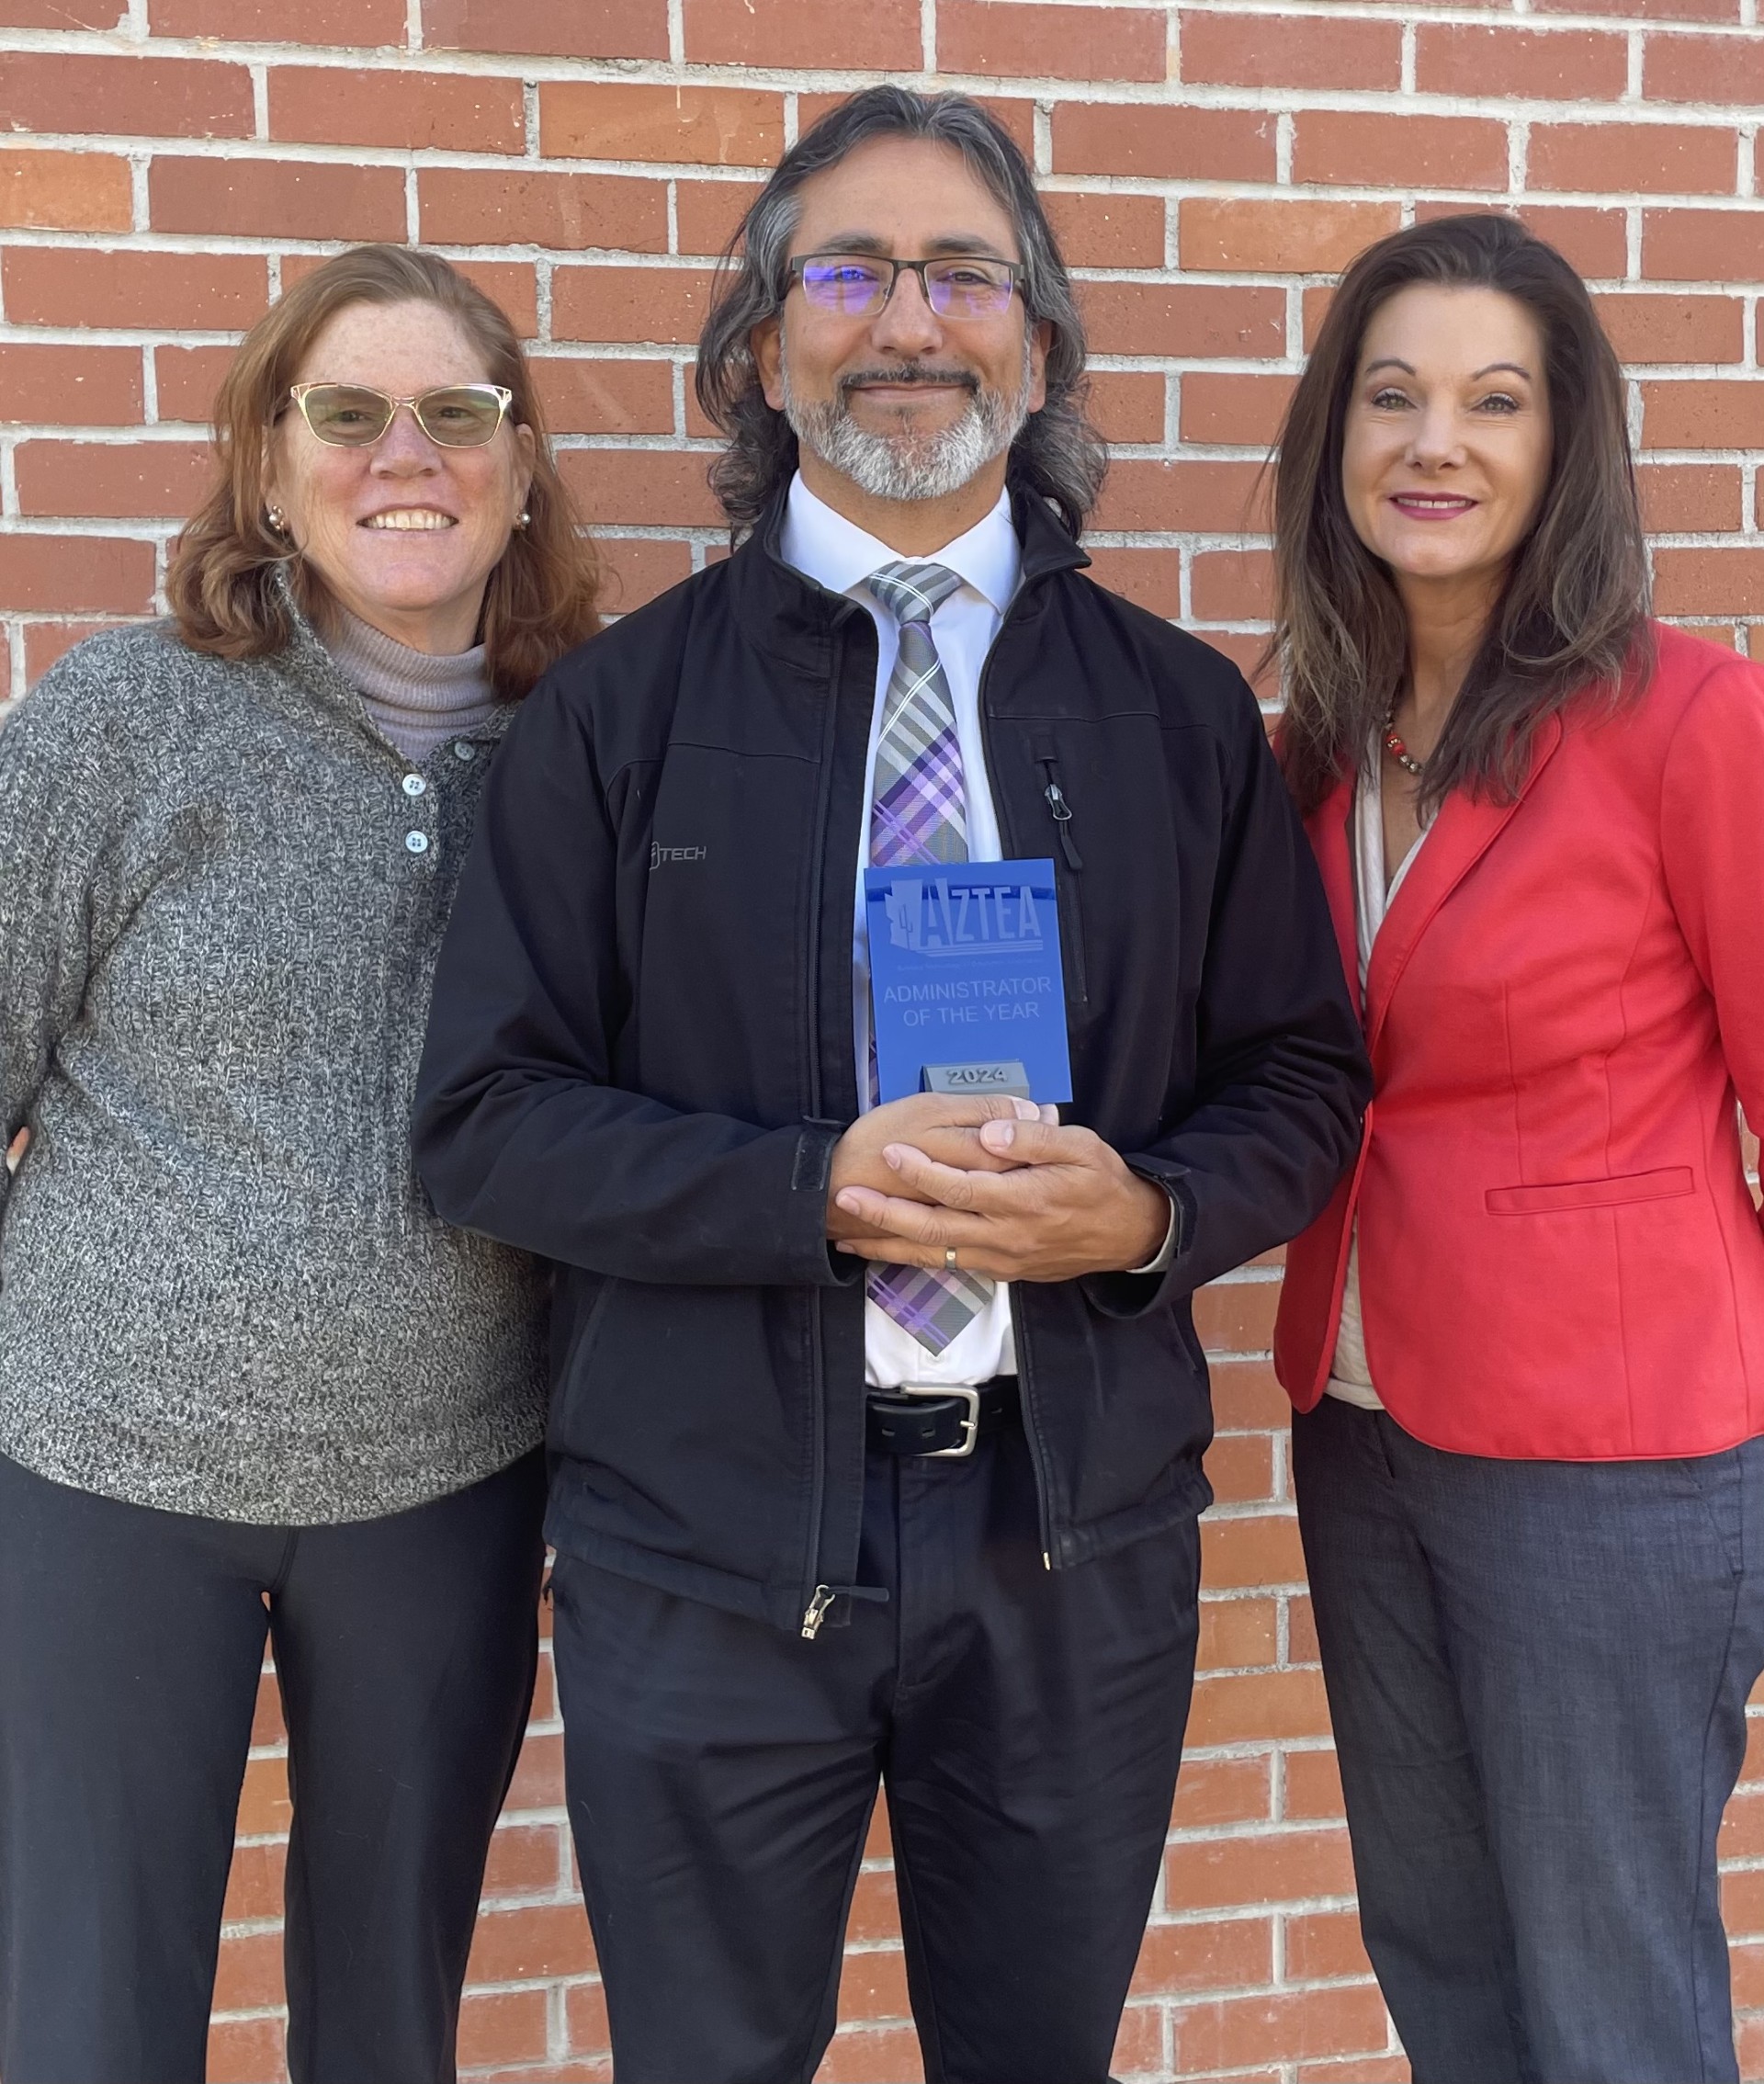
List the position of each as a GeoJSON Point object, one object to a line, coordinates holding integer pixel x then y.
{"type": "Point", "coordinates": [1071, 1208]}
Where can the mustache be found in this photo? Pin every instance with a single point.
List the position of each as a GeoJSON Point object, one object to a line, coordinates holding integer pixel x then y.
{"type": "Point", "coordinates": [907, 373]}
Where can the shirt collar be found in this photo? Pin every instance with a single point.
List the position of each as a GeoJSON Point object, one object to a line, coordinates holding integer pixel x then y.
{"type": "Point", "coordinates": [839, 555]}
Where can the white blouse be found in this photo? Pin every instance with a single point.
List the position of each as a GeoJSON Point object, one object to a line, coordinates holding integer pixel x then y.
{"type": "Point", "coordinates": [1349, 1377]}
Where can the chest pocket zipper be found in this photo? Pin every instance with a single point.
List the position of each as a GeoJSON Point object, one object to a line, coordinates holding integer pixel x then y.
{"type": "Point", "coordinates": [1060, 810]}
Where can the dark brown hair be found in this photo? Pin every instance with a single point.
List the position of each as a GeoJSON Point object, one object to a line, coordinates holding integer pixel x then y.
{"type": "Point", "coordinates": [1572, 615]}
{"type": "Point", "coordinates": [540, 599]}
{"type": "Point", "coordinates": [1058, 456]}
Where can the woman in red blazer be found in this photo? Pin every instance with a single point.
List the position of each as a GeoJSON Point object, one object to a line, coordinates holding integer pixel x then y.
{"type": "Point", "coordinates": [1526, 1340]}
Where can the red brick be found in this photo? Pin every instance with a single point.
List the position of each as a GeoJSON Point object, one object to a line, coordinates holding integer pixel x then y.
{"type": "Point", "coordinates": [1236, 1707]}
{"type": "Point", "coordinates": [157, 292]}
{"type": "Point", "coordinates": [264, 1807]}
{"type": "Point", "coordinates": [1672, 327]}
{"type": "Point", "coordinates": [1127, 405]}
{"type": "Point", "coordinates": [63, 14]}
{"type": "Point", "coordinates": [1246, 1393]}
{"type": "Point", "coordinates": [1187, 321]}
{"type": "Point", "coordinates": [1703, 245]}
{"type": "Point", "coordinates": [284, 198]}
{"type": "Point", "coordinates": [584, 28]}
{"type": "Point", "coordinates": [638, 488]}
{"type": "Point", "coordinates": [1593, 241]}
{"type": "Point", "coordinates": [511, 285]}
{"type": "Point", "coordinates": [1650, 10]}
{"type": "Point", "coordinates": [1690, 498]}
{"type": "Point", "coordinates": [1355, 2070]}
{"type": "Point", "coordinates": [1151, 578]}
{"type": "Point", "coordinates": [345, 23]}
{"type": "Point", "coordinates": [249, 1976]}
{"type": "Point", "coordinates": [138, 97]}
{"type": "Point", "coordinates": [1726, 69]}
{"type": "Point", "coordinates": [1281, 2026]}
{"type": "Point", "coordinates": [1107, 230]}
{"type": "Point", "coordinates": [874, 1986]}
{"type": "Point", "coordinates": [246, 2050]}
{"type": "Point", "coordinates": [1742, 1901]}
{"type": "Point", "coordinates": [1256, 1549]}
{"type": "Point", "coordinates": [1291, 51]}
{"type": "Point", "coordinates": [544, 1939]}
{"type": "Point", "coordinates": [503, 2026]}
{"type": "Point", "coordinates": [116, 482]}
{"type": "Point", "coordinates": [1313, 1786]}
{"type": "Point", "coordinates": [1213, 1954]}
{"type": "Point", "coordinates": [1301, 1632]}
{"type": "Point", "coordinates": [706, 213]}
{"type": "Point", "coordinates": [1240, 1468]}
{"type": "Point", "coordinates": [90, 386]}
{"type": "Point", "coordinates": [1711, 580]}
{"type": "Point", "coordinates": [1366, 151]}
{"type": "Point", "coordinates": [1266, 1867]}
{"type": "Point", "coordinates": [523, 1860]}
{"type": "Point", "coordinates": [1324, 1945]}
{"type": "Point", "coordinates": [538, 1773]}
{"type": "Point", "coordinates": [1155, 142]}
{"type": "Point", "coordinates": [46, 641]}
{"type": "Point", "coordinates": [1195, 498]}
{"type": "Point", "coordinates": [878, 35]}
{"type": "Point", "coordinates": [1478, 62]}
{"type": "Point", "coordinates": [872, 2055]}
{"type": "Point", "coordinates": [65, 191]}
{"type": "Point", "coordinates": [1659, 159]}
{"type": "Point", "coordinates": [703, 126]}
{"type": "Point", "coordinates": [584, 2011]}
{"type": "Point", "coordinates": [1231, 1316]}
{"type": "Point", "coordinates": [1703, 414]}
{"type": "Point", "coordinates": [1237, 1634]}
{"type": "Point", "coordinates": [1210, 1792]}
{"type": "Point", "coordinates": [581, 396]}
{"type": "Point", "coordinates": [254, 1881]}
{"type": "Point", "coordinates": [325, 105]}
{"type": "Point", "coordinates": [638, 569]}
{"type": "Point", "coordinates": [654, 305]}
{"type": "Point", "coordinates": [75, 574]}
{"type": "Point", "coordinates": [472, 207]}
{"type": "Point", "coordinates": [1279, 238]}
{"type": "Point", "coordinates": [1220, 406]}
{"type": "Point", "coordinates": [1088, 42]}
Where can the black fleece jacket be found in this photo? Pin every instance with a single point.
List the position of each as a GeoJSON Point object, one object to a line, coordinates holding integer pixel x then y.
{"type": "Point", "coordinates": [640, 1054]}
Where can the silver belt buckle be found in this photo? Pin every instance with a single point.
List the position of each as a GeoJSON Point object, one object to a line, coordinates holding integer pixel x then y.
{"type": "Point", "coordinates": [970, 1419]}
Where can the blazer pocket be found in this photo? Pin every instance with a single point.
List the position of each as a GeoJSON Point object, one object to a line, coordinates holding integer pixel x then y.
{"type": "Point", "coordinates": [1660, 1185]}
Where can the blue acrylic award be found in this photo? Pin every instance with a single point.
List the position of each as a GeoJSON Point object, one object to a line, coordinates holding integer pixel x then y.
{"type": "Point", "coordinates": [966, 993]}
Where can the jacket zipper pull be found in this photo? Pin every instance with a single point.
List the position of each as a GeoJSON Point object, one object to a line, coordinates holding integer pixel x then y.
{"type": "Point", "coordinates": [815, 1613]}
{"type": "Point", "coordinates": [1062, 811]}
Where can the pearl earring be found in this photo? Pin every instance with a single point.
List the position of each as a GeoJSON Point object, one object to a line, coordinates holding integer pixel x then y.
{"type": "Point", "coordinates": [521, 520]}
{"type": "Point", "coordinates": [277, 520]}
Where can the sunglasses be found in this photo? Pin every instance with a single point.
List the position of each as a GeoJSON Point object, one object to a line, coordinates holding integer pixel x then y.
{"type": "Point", "coordinates": [351, 415]}
{"type": "Point", "coordinates": [960, 286]}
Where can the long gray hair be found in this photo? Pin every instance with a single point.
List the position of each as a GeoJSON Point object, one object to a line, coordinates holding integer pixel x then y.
{"type": "Point", "coordinates": [1058, 455]}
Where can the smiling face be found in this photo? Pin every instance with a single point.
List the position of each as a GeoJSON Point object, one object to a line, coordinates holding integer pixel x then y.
{"type": "Point", "coordinates": [904, 406]}
{"type": "Point", "coordinates": [403, 534]}
{"type": "Point", "coordinates": [1446, 451]}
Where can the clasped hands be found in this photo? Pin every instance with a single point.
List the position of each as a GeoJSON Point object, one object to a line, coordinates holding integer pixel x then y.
{"type": "Point", "coordinates": [1020, 1197]}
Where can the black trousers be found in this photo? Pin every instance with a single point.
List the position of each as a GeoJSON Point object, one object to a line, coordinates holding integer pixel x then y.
{"type": "Point", "coordinates": [130, 1646]}
{"type": "Point", "coordinates": [1538, 1675]}
{"type": "Point", "coordinates": [1027, 1725]}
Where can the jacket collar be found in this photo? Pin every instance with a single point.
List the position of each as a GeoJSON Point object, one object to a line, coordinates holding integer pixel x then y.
{"type": "Point", "coordinates": [789, 616]}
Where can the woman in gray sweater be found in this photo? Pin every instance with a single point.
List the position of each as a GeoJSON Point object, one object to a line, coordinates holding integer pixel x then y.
{"type": "Point", "coordinates": [249, 1384]}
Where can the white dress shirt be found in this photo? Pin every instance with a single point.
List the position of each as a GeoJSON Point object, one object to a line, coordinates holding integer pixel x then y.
{"type": "Point", "coordinates": [1349, 1377]}
{"type": "Point", "coordinates": [839, 556]}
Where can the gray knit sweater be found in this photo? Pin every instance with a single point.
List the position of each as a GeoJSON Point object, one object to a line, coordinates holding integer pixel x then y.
{"type": "Point", "coordinates": [222, 1287]}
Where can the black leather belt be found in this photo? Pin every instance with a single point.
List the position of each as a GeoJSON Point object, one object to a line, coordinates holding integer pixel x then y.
{"type": "Point", "coordinates": [936, 1420]}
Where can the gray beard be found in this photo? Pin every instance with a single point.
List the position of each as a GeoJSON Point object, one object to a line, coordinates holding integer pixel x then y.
{"type": "Point", "coordinates": [907, 465]}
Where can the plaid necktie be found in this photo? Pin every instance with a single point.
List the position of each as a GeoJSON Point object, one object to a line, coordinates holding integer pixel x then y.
{"type": "Point", "coordinates": [919, 813]}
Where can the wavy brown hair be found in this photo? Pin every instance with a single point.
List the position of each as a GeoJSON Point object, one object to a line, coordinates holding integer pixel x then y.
{"type": "Point", "coordinates": [1573, 613]}
{"type": "Point", "coordinates": [222, 587]}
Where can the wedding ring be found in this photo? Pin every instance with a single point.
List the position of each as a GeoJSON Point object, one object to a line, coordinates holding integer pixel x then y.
{"type": "Point", "coordinates": [949, 1259]}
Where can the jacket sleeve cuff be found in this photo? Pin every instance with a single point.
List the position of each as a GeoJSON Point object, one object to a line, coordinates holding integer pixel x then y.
{"type": "Point", "coordinates": [810, 1175]}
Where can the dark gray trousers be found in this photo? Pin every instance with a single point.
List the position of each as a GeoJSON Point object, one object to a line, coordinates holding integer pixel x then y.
{"type": "Point", "coordinates": [1538, 1675]}
{"type": "Point", "coordinates": [130, 1646]}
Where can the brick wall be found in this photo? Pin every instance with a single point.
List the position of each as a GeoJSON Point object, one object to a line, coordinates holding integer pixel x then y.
{"type": "Point", "coordinates": [171, 163]}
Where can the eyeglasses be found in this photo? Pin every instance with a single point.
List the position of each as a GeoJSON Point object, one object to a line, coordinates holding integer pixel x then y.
{"type": "Point", "coordinates": [351, 415]}
{"type": "Point", "coordinates": [958, 285]}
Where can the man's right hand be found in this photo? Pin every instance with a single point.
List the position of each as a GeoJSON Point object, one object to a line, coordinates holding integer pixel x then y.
{"type": "Point", "coordinates": [945, 1129]}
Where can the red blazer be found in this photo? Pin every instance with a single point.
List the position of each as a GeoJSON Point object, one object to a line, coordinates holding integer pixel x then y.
{"type": "Point", "coordinates": [1559, 1256]}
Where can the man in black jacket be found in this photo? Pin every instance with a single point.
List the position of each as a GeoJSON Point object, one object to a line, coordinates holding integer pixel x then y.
{"type": "Point", "coordinates": [876, 1430]}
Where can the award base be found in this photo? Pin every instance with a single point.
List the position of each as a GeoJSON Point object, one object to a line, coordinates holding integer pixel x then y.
{"type": "Point", "coordinates": [1006, 1076]}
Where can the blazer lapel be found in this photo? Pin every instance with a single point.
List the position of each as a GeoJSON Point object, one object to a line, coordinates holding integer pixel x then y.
{"type": "Point", "coordinates": [1465, 830]}
{"type": "Point", "coordinates": [1332, 835]}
